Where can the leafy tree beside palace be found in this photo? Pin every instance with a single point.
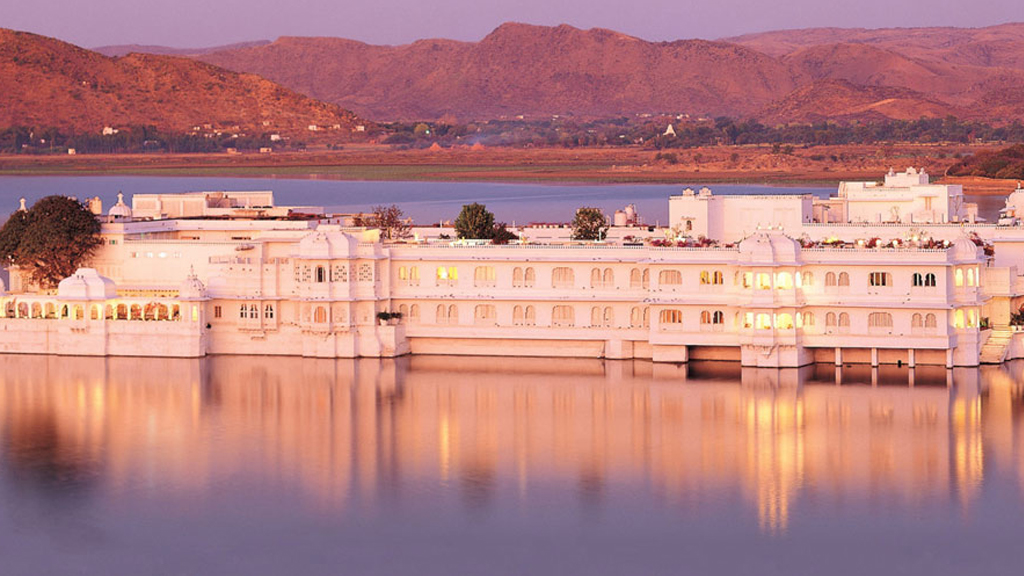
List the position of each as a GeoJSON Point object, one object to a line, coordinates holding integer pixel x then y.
{"type": "Point", "coordinates": [589, 224]}
{"type": "Point", "coordinates": [50, 240]}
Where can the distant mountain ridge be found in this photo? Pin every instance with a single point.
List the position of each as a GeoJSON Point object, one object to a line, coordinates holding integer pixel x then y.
{"type": "Point", "coordinates": [125, 49]}
{"type": "Point", "coordinates": [541, 70]}
{"type": "Point", "coordinates": [49, 83]}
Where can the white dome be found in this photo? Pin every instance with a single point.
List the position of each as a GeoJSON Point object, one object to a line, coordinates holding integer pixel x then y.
{"type": "Point", "coordinates": [192, 288]}
{"type": "Point", "coordinates": [964, 249]}
{"type": "Point", "coordinates": [120, 211]}
{"type": "Point", "coordinates": [86, 284]}
{"type": "Point", "coordinates": [769, 247]}
{"type": "Point", "coordinates": [327, 242]}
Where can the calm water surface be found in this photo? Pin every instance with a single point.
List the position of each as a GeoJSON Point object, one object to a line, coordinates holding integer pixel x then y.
{"type": "Point", "coordinates": [452, 465]}
{"type": "Point", "coordinates": [426, 202]}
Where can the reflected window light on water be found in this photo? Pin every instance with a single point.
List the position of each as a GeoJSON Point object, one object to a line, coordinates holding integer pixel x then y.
{"type": "Point", "coordinates": [512, 442]}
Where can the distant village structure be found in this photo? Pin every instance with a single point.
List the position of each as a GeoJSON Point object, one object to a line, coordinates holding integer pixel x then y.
{"type": "Point", "coordinates": [895, 273]}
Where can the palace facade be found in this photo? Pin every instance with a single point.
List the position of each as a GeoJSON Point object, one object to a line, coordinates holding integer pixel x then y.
{"type": "Point", "coordinates": [192, 287]}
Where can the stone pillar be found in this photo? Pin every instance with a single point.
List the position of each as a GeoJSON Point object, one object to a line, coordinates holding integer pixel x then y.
{"type": "Point", "coordinates": [839, 356]}
{"type": "Point", "coordinates": [911, 359]}
{"type": "Point", "coordinates": [949, 358]}
{"type": "Point", "coordinates": [874, 357]}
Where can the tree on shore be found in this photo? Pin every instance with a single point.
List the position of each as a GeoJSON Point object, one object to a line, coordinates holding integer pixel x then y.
{"type": "Point", "coordinates": [50, 240]}
{"type": "Point", "coordinates": [589, 224]}
{"type": "Point", "coordinates": [475, 222]}
{"type": "Point", "coordinates": [389, 219]}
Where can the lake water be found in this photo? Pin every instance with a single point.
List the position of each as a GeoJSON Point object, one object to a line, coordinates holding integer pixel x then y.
{"type": "Point", "coordinates": [426, 202]}
{"type": "Point", "coordinates": [454, 465]}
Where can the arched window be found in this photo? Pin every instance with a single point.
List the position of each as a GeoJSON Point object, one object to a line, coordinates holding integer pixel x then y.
{"type": "Point", "coordinates": [609, 316]}
{"type": "Point", "coordinates": [79, 312]}
{"type": "Point", "coordinates": [531, 316]}
{"type": "Point", "coordinates": [595, 278]}
{"type": "Point", "coordinates": [844, 320]}
{"type": "Point", "coordinates": [634, 278]}
{"type": "Point", "coordinates": [705, 317]}
{"type": "Point", "coordinates": [403, 310]}
{"type": "Point", "coordinates": [442, 314]}
{"type": "Point", "coordinates": [670, 278]}
{"type": "Point", "coordinates": [268, 311]}
{"type": "Point", "coordinates": [108, 312]}
{"type": "Point", "coordinates": [808, 319]}
{"type": "Point", "coordinates": [929, 279]}
{"type": "Point", "coordinates": [122, 311]}
{"type": "Point", "coordinates": [705, 277]}
{"type": "Point", "coordinates": [453, 314]}
{"type": "Point", "coordinates": [958, 277]}
{"type": "Point", "coordinates": [562, 277]}
{"type": "Point", "coordinates": [517, 277]}
{"type": "Point", "coordinates": [636, 319]}
{"type": "Point", "coordinates": [414, 314]}
{"type": "Point", "coordinates": [176, 312]}
{"type": "Point", "coordinates": [807, 279]}
{"type": "Point", "coordinates": [517, 315]}
{"type": "Point", "coordinates": [447, 275]}
{"type": "Point", "coordinates": [880, 279]}
{"type": "Point", "coordinates": [670, 317]}
{"type": "Point", "coordinates": [403, 274]}
{"type": "Point", "coordinates": [784, 280]}
{"type": "Point", "coordinates": [718, 317]}
{"type": "Point", "coordinates": [647, 317]}
{"type": "Point", "coordinates": [844, 279]}
{"type": "Point", "coordinates": [414, 275]}
{"type": "Point", "coordinates": [830, 319]}
{"type": "Point", "coordinates": [608, 277]}
{"type": "Point", "coordinates": [595, 316]}
{"type": "Point", "coordinates": [958, 319]}
{"type": "Point", "coordinates": [929, 321]}
{"type": "Point", "coordinates": [763, 322]}
{"type": "Point", "coordinates": [880, 320]}
{"type": "Point", "coordinates": [645, 281]}
{"type": "Point", "coordinates": [764, 281]}
{"type": "Point", "coordinates": [51, 311]}
{"type": "Point", "coordinates": [784, 321]}
{"type": "Point", "coordinates": [321, 274]}
{"type": "Point", "coordinates": [320, 315]}
{"type": "Point", "coordinates": [563, 316]}
{"type": "Point", "coordinates": [136, 312]}
{"type": "Point", "coordinates": [37, 310]}
{"type": "Point", "coordinates": [916, 321]}
{"type": "Point", "coordinates": [918, 279]}
{"type": "Point", "coordinates": [484, 276]}
{"type": "Point", "coordinates": [23, 310]}
{"type": "Point", "coordinates": [830, 279]}
{"type": "Point", "coordinates": [485, 314]}
{"type": "Point", "coordinates": [530, 278]}
{"type": "Point", "coordinates": [162, 312]}
{"type": "Point", "coordinates": [970, 277]}
{"type": "Point", "coordinates": [242, 311]}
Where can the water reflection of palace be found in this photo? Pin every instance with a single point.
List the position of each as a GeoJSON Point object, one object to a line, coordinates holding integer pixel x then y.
{"type": "Point", "coordinates": [347, 429]}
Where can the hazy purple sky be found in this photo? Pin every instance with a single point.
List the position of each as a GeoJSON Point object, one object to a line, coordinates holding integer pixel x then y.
{"type": "Point", "coordinates": [196, 23]}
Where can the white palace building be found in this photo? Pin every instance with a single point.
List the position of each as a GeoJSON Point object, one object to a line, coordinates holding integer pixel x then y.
{"type": "Point", "coordinates": [230, 273]}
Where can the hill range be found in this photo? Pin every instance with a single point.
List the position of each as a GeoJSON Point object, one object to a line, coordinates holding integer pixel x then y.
{"type": "Point", "coordinates": [792, 75]}
{"type": "Point", "coordinates": [50, 83]}
{"type": "Point", "coordinates": [519, 69]}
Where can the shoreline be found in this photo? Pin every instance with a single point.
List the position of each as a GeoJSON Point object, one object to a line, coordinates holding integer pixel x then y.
{"type": "Point", "coordinates": [755, 165]}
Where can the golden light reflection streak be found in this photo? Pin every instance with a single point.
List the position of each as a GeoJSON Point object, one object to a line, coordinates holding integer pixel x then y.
{"type": "Point", "coordinates": [968, 448]}
{"type": "Point", "coordinates": [775, 457]}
